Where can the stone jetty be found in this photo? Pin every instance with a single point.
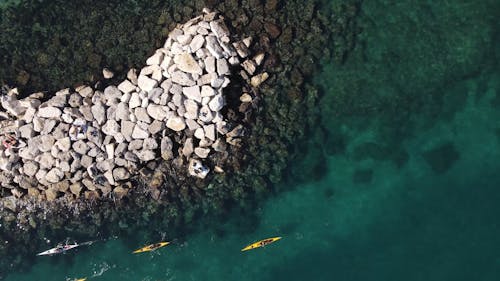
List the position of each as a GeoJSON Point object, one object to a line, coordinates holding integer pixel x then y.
{"type": "Point", "coordinates": [86, 143]}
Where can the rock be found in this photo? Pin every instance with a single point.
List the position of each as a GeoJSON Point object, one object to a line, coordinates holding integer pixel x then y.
{"type": "Point", "coordinates": [75, 100]}
{"type": "Point", "coordinates": [245, 98]}
{"type": "Point", "coordinates": [216, 103]}
{"type": "Point", "coordinates": [176, 123]}
{"type": "Point", "coordinates": [49, 112]}
{"type": "Point", "coordinates": [222, 66]}
{"type": "Point", "coordinates": [213, 47]}
{"type": "Point", "coordinates": [156, 127]}
{"type": "Point", "coordinates": [145, 155]}
{"type": "Point", "coordinates": [46, 143]}
{"type": "Point", "coordinates": [155, 59]}
{"type": "Point", "coordinates": [135, 101]}
{"type": "Point", "coordinates": [111, 128]}
{"type": "Point", "coordinates": [166, 147]}
{"type": "Point", "coordinates": [209, 131]}
{"type": "Point", "coordinates": [205, 115]}
{"type": "Point", "coordinates": [219, 145]}
{"type": "Point", "coordinates": [150, 144]}
{"type": "Point", "coordinates": [157, 112]}
{"type": "Point", "coordinates": [139, 133]}
{"type": "Point", "coordinates": [122, 111]}
{"type": "Point", "coordinates": [86, 112]}
{"type": "Point", "coordinates": [99, 113]}
{"type": "Point", "coordinates": [184, 39]}
{"type": "Point", "coordinates": [202, 152]}
{"type": "Point", "coordinates": [210, 64]}
{"type": "Point", "coordinates": [199, 133]}
{"type": "Point", "coordinates": [187, 149]}
{"type": "Point", "coordinates": [207, 91]}
{"type": "Point", "coordinates": [259, 58]}
{"type": "Point", "coordinates": [107, 74]}
{"type": "Point", "coordinates": [249, 66]}
{"type": "Point", "coordinates": [192, 125]}
{"type": "Point", "coordinates": [126, 86]}
{"type": "Point", "coordinates": [86, 161]}
{"type": "Point", "coordinates": [51, 194]}
{"type": "Point", "coordinates": [182, 78]}
{"type": "Point", "coordinates": [187, 63]}
{"type": "Point", "coordinates": [259, 79]}
{"type": "Point", "coordinates": [127, 128]}
{"type": "Point", "coordinates": [197, 43]}
{"type": "Point", "coordinates": [76, 189]}
{"type": "Point", "coordinates": [146, 84]}
{"type": "Point", "coordinates": [54, 175]}
{"type": "Point", "coordinates": [166, 63]}
{"type": "Point", "coordinates": [196, 169]}
{"type": "Point", "coordinates": [192, 93]}
{"type": "Point", "coordinates": [219, 28]}
{"type": "Point", "coordinates": [63, 144]}
{"type": "Point", "coordinates": [80, 147]}
{"type": "Point", "coordinates": [217, 82]}
{"type": "Point", "coordinates": [142, 115]}
{"type": "Point", "coordinates": [30, 168]}
{"type": "Point", "coordinates": [191, 109]}
{"type": "Point", "coordinates": [85, 91]}
{"type": "Point", "coordinates": [120, 174]}
{"type": "Point", "coordinates": [26, 131]}
{"type": "Point", "coordinates": [241, 49]}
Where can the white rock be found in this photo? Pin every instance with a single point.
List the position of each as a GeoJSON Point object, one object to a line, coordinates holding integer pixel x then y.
{"type": "Point", "coordinates": [191, 109]}
{"type": "Point", "coordinates": [145, 155]}
{"type": "Point", "coordinates": [207, 91]}
{"type": "Point", "coordinates": [122, 111]}
{"type": "Point", "coordinates": [192, 125]}
{"type": "Point", "coordinates": [99, 113]}
{"type": "Point", "coordinates": [217, 103]}
{"type": "Point", "coordinates": [107, 74]}
{"type": "Point", "coordinates": [256, 80]}
{"type": "Point", "coordinates": [111, 128]}
{"type": "Point", "coordinates": [219, 28]}
{"type": "Point", "coordinates": [245, 98]}
{"type": "Point", "coordinates": [209, 64]}
{"type": "Point", "coordinates": [139, 133]}
{"type": "Point", "coordinates": [146, 84]}
{"type": "Point", "coordinates": [110, 150]}
{"type": "Point", "coordinates": [30, 168]}
{"type": "Point", "coordinates": [155, 59]}
{"type": "Point", "coordinates": [49, 112]}
{"type": "Point", "coordinates": [192, 93]}
{"type": "Point", "coordinates": [166, 63]}
{"type": "Point", "coordinates": [54, 175]}
{"type": "Point", "coordinates": [205, 114]}
{"type": "Point", "coordinates": [182, 78]}
{"type": "Point", "coordinates": [259, 58]}
{"type": "Point", "coordinates": [120, 174]}
{"type": "Point", "coordinates": [176, 123]}
{"type": "Point", "coordinates": [197, 43]}
{"type": "Point", "coordinates": [222, 66]}
{"type": "Point", "coordinates": [134, 101]}
{"type": "Point", "coordinates": [63, 144]}
{"type": "Point", "coordinates": [184, 39]}
{"type": "Point", "coordinates": [157, 112]}
{"type": "Point", "coordinates": [187, 63]}
{"type": "Point", "coordinates": [213, 47]}
{"type": "Point", "coordinates": [209, 131]}
{"type": "Point", "coordinates": [199, 133]}
{"type": "Point", "coordinates": [187, 149]}
{"type": "Point", "coordinates": [202, 152]}
{"type": "Point", "coordinates": [196, 169]}
{"type": "Point", "coordinates": [132, 76]}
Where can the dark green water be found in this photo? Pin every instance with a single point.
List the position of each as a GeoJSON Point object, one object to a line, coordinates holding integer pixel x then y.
{"type": "Point", "coordinates": [411, 185]}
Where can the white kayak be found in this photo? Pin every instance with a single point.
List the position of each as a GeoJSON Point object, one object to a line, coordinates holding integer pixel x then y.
{"type": "Point", "coordinates": [58, 250]}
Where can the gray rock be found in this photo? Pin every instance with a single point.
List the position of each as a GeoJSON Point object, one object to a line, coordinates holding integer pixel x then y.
{"type": "Point", "coordinates": [219, 28]}
{"type": "Point", "coordinates": [75, 100]}
{"type": "Point", "coordinates": [63, 144]}
{"type": "Point", "coordinates": [48, 126]}
{"type": "Point", "coordinates": [99, 113]}
{"type": "Point", "coordinates": [216, 103]}
{"type": "Point", "coordinates": [145, 155]}
{"type": "Point", "coordinates": [202, 152]}
{"type": "Point", "coordinates": [157, 112]}
{"type": "Point", "coordinates": [49, 112]}
{"type": "Point", "coordinates": [45, 143]}
{"type": "Point", "coordinates": [127, 128]}
{"type": "Point", "coordinates": [182, 78]}
{"type": "Point", "coordinates": [176, 123]}
{"type": "Point", "coordinates": [155, 94]}
{"type": "Point", "coordinates": [105, 165]}
{"type": "Point", "coordinates": [122, 111]}
{"type": "Point", "coordinates": [120, 149]}
{"type": "Point", "coordinates": [94, 136]}
{"type": "Point", "coordinates": [86, 112]}
{"type": "Point", "coordinates": [205, 114]}
{"type": "Point", "coordinates": [145, 83]}
{"type": "Point", "coordinates": [213, 47]}
{"type": "Point", "coordinates": [45, 160]}
{"type": "Point", "coordinates": [111, 128]}
{"type": "Point", "coordinates": [166, 147]}
{"type": "Point", "coordinates": [80, 147]}
{"type": "Point", "coordinates": [241, 49]}
{"type": "Point", "coordinates": [150, 144]}
{"type": "Point", "coordinates": [196, 169]}
{"type": "Point", "coordinates": [135, 145]}
{"type": "Point", "coordinates": [85, 91]}
{"type": "Point", "coordinates": [86, 161]}
{"type": "Point", "coordinates": [217, 82]}
{"type": "Point", "coordinates": [187, 149]}
{"type": "Point", "coordinates": [156, 127]}
{"type": "Point", "coordinates": [176, 89]}
{"type": "Point", "coordinates": [192, 125]}
{"type": "Point", "coordinates": [142, 115]}
{"type": "Point", "coordinates": [139, 133]}
{"type": "Point", "coordinates": [192, 93]}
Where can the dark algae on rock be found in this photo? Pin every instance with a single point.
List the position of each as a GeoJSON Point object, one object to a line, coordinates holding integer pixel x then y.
{"type": "Point", "coordinates": [50, 45]}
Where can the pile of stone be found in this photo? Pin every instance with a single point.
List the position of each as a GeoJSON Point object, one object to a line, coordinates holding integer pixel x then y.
{"type": "Point", "coordinates": [89, 141]}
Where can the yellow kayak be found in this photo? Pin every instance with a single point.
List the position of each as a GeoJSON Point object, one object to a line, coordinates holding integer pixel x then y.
{"type": "Point", "coordinates": [261, 243]}
{"type": "Point", "coordinates": [151, 247]}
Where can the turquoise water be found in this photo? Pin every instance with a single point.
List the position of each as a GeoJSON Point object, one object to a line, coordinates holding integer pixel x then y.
{"type": "Point", "coordinates": [411, 178]}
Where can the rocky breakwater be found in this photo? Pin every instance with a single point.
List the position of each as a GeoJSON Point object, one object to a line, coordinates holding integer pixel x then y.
{"type": "Point", "coordinates": [87, 143]}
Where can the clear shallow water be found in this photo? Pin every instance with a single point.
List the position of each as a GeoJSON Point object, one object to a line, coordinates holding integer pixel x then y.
{"type": "Point", "coordinates": [407, 223]}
